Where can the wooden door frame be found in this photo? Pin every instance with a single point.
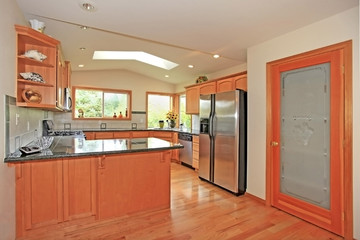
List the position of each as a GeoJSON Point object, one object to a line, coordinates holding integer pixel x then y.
{"type": "Point", "coordinates": [348, 128]}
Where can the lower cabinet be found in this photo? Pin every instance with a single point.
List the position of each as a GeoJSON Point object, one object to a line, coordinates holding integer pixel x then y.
{"type": "Point", "coordinates": [195, 152]}
{"type": "Point", "coordinates": [54, 191]}
{"type": "Point", "coordinates": [145, 186]}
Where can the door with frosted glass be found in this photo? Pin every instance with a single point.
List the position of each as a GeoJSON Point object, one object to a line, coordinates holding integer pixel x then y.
{"type": "Point", "coordinates": [308, 133]}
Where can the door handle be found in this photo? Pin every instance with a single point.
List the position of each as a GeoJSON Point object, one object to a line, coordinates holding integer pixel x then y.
{"type": "Point", "coordinates": [274, 143]}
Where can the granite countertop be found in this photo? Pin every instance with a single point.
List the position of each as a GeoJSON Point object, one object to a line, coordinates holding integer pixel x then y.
{"type": "Point", "coordinates": [69, 146]}
{"type": "Point", "coordinates": [184, 130]}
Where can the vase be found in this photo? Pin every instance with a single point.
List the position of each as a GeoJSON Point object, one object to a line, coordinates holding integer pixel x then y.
{"type": "Point", "coordinates": [172, 123]}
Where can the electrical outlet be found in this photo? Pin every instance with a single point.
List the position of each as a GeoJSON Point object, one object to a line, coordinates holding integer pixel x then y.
{"type": "Point", "coordinates": [28, 125]}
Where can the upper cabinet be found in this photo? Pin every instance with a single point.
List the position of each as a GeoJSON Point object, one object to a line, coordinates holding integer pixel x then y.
{"type": "Point", "coordinates": [224, 84]}
{"type": "Point", "coordinates": [40, 70]}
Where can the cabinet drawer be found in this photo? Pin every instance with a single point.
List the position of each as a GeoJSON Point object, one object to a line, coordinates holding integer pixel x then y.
{"type": "Point", "coordinates": [195, 139]}
{"type": "Point", "coordinates": [104, 135]}
{"type": "Point", "coordinates": [140, 134]}
{"type": "Point", "coordinates": [162, 134]}
{"type": "Point", "coordinates": [122, 134]}
{"type": "Point", "coordinates": [195, 147]}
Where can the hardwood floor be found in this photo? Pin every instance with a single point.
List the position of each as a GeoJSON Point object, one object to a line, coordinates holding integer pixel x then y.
{"type": "Point", "coordinates": [199, 210]}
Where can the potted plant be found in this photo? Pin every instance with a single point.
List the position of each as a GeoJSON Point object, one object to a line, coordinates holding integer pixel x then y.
{"type": "Point", "coordinates": [171, 117]}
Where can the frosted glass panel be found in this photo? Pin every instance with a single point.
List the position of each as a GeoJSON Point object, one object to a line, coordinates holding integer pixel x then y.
{"type": "Point", "coordinates": [305, 134]}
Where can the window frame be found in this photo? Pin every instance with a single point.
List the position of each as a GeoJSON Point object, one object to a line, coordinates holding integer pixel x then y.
{"type": "Point", "coordinates": [174, 105]}
{"type": "Point", "coordinates": [103, 90]}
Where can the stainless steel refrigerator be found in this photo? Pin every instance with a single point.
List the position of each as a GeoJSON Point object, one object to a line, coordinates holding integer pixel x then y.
{"type": "Point", "coordinates": [222, 141]}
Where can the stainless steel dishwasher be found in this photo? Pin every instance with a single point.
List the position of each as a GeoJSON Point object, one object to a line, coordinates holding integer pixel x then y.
{"type": "Point", "coordinates": [185, 154]}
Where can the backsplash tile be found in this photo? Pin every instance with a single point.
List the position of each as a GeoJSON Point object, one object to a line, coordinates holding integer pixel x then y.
{"type": "Point", "coordinates": [23, 130]}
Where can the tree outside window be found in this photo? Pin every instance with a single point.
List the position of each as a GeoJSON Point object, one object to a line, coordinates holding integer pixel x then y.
{"type": "Point", "coordinates": [184, 118]}
{"type": "Point", "coordinates": [102, 103]}
{"type": "Point", "coordinates": [158, 105]}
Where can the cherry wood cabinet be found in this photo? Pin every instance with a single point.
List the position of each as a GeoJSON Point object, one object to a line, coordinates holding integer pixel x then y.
{"type": "Point", "coordinates": [79, 179]}
{"type": "Point", "coordinates": [228, 83]}
{"type": "Point", "coordinates": [104, 135]}
{"type": "Point", "coordinates": [53, 191]}
{"type": "Point", "coordinates": [39, 195]}
{"type": "Point", "coordinates": [241, 82]}
{"type": "Point", "coordinates": [195, 148]}
{"type": "Point", "coordinates": [225, 85]}
{"type": "Point", "coordinates": [207, 88]}
{"type": "Point", "coordinates": [192, 100]}
{"type": "Point", "coordinates": [30, 39]}
{"type": "Point", "coordinates": [146, 186]}
{"type": "Point", "coordinates": [140, 134]}
{"type": "Point", "coordinates": [122, 134]}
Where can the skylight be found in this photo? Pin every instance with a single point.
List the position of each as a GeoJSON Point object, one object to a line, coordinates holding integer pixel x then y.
{"type": "Point", "coordinates": [135, 55]}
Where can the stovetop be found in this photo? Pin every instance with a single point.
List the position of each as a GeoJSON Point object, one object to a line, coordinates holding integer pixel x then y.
{"type": "Point", "coordinates": [66, 133]}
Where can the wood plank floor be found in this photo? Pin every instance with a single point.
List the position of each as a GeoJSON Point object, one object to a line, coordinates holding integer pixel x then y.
{"type": "Point", "coordinates": [199, 210]}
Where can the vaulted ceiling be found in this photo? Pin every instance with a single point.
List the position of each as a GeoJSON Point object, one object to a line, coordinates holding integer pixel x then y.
{"type": "Point", "coordinates": [187, 32]}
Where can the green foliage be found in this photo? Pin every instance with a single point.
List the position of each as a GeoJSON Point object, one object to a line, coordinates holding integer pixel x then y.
{"type": "Point", "coordinates": [91, 102]}
{"type": "Point", "coordinates": [158, 107]}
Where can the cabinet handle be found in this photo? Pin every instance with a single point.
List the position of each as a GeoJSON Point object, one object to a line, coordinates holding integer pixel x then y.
{"type": "Point", "coordinates": [101, 163]}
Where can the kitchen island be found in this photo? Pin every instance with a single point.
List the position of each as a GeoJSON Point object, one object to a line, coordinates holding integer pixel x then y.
{"type": "Point", "coordinates": [90, 180]}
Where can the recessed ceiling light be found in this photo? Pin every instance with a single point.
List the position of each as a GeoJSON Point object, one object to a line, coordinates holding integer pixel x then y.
{"type": "Point", "coordinates": [88, 7]}
{"type": "Point", "coordinates": [83, 27]}
{"type": "Point", "coordinates": [191, 66]}
{"type": "Point", "coordinates": [135, 55]}
{"type": "Point", "coordinates": [82, 48]}
{"type": "Point", "coordinates": [81, 65]}
{"type": "Point", "coordinates": [167, 76]}
{"type": "Point", "coordinates": [216, 56]}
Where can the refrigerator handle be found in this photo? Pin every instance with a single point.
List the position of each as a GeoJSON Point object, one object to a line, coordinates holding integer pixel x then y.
{"type": "Point", "coordinates": [211, 125]}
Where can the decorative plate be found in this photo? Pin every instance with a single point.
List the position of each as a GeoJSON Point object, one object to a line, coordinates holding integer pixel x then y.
{"type": "Point", "coordinates": [32, 77]}
{"type": "Point", "coordinates": [31, 96]}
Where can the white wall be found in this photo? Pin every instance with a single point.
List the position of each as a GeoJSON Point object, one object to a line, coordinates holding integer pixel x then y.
{"type": "Point", "coordinates": [338, 28]}
{"type": "Point", "coordinates": [10, 14]}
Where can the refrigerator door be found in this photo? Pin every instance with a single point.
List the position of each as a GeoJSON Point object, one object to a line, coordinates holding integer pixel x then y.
{"type": "Point", "coordinates": [204, 137]}
{"type": "Point", "coordinates": [226, 140]}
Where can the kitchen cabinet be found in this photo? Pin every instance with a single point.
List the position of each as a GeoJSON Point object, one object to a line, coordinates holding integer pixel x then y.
{"type": "Point", "coordinates": [104, 135]}
{"type": "Point", "coordinates": [241, 82]}
{"type": "Point", "coordinates": [122, 134]}
{"type": "Point", "coordinates": [207, 88]}
{"type": "Point", "coordinates": [225, 85]}
{"type": "Point", "coordinates": [89, 135]}
{"type": "Point", "coordinates": [192, 100]}
{"type": "Point", "coordinates": [228, 83]}
{"type": "Point", "coordinates": [130, 183]}
{"type": "Point", "coordinates": [39, 191]}
{"type": "Point", "coordinates": [168, 136]}
{"type": "Point", "coordinates": [195, 148]}
{"type": "Point", "coordinates": [79, 179]}
{"type": "Point", "coordinates": [54, 191]}
{"type": "Point", "coordinates": [140, 134]}
{"type": "Point", "coordinates": [30, 39]}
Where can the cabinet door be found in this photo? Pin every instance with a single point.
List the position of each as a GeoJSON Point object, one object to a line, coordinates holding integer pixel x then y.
{"type": "Point", "coordinates": [42, 194]}
{"type": "Point", "coordinates": [104, 135]}
{"type": "Point", "coordinates": [168, 136]}
{"type": "Point", "coordinates": [129, 183]}
{"type": "Point", "coordinates": [89, 135]}
{"type": "Point", "coordinates": [208, 88]}
{"type": "Point", "coordinates": [79, 187]}
{"type": "Point", "coordinates": [241, 83]}
{"type": "Point", "coordinates": [121, 134]}
{"type": "Point", "coordinates": [225, 85]}
{"type": "Point", "coordinates": [192, 100]}
{"type": "Point", "coordinates": [140, 134]}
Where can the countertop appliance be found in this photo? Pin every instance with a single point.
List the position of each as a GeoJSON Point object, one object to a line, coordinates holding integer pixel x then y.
{"type": "Point", "coordinates": [48, 130]}
{"type": "Point", "coordinates": [222, 140]}
{"type": "Point", "coordinates": [185, 154]}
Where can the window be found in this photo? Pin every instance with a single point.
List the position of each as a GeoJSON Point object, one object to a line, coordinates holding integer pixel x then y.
{"type": "Point", "coordinates": [184, 118]}
{"type": "Point", "coordinates": [97, 103]}
{"type": "Point", "coordinates": [158, 104]}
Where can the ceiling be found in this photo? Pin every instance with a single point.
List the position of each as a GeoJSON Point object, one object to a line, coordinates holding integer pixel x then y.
{"type": "Point", "coordinates": [184, 31]}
